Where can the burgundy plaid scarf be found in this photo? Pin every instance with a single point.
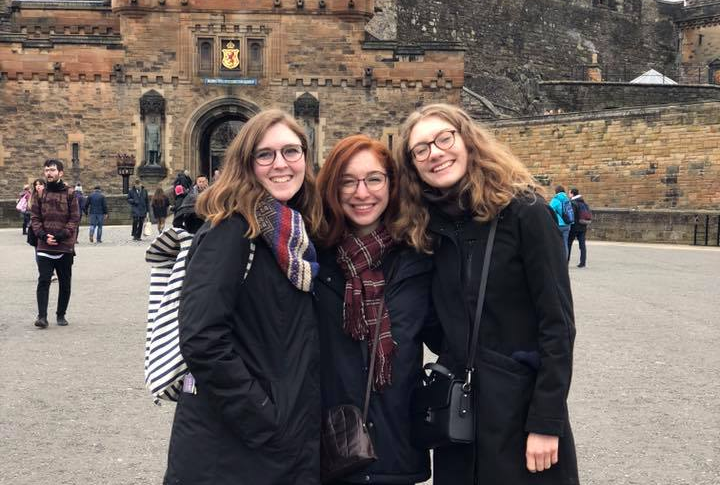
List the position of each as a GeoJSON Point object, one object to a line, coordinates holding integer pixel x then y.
{"type": "Point", "coordinates": [360, 260]}
{"type": "Point", "coordinates": [283, 230]}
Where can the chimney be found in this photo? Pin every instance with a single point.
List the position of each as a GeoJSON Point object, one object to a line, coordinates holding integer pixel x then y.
{"type": "Point", "coordinates": [593, 73]}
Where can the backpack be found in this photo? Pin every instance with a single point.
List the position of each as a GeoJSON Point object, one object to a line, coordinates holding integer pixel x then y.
{"type": "Point", "coordinates": [165, 368]}
{"type": "Point", "coordinates": [567, 213]}
{"type": "Point", "coordinates": [584, 213]}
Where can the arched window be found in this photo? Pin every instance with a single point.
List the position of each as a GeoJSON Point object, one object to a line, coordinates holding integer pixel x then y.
{"type": "Point", "coordinates": [255, 57]}
{"type": "Point", "coordinates": [206, 55]}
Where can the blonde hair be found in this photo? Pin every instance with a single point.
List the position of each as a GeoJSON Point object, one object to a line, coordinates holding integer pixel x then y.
{"type": "Point", "coordinates": [494, 175]}
{"type": "Point", "coordinates": [238, 190]}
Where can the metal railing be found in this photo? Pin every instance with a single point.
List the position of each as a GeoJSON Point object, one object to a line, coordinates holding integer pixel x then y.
{"type": "Point", "coordinates": [705, 231]}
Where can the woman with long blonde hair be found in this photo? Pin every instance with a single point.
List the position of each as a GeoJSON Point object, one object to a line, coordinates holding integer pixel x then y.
{"type": "Point", "coordinates": [249, 412]}
{"type": "Point", "coordinates": [459, 183]}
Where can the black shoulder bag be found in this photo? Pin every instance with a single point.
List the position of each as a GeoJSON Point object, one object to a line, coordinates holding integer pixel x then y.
{"type": "Point", "coordinates": [442, 408]}
{"type": "Point", "coordinates": [345, 443]}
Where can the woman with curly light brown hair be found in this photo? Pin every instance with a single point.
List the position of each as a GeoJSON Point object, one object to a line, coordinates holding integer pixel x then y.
{"type": "Point", "coordinates": [457, 179]}
{"type": "Point", "coordinates": [250, 408]}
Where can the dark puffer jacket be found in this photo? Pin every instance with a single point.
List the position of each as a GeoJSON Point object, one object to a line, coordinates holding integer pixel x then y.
{"type": "Point", "coordinates": [252, 346]}
{"type": "Point", "coordinates": [344, 361]}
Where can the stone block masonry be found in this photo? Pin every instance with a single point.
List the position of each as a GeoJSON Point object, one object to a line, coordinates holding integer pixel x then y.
{"type": "Point", "coordinates": [643, 158]}
{"type": "Point", "coordinates": [514, 44]}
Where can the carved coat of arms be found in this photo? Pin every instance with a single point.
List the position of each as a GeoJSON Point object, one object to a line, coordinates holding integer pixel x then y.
{"type": "Point", "coordinates": [231, 58]}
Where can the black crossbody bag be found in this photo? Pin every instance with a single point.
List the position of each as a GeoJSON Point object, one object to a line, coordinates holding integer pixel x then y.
{"type": "Point", "coordinates": [442, 408]}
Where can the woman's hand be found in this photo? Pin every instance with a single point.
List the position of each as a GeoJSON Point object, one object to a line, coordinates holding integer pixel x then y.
{"type": "Point", "coordinates": [542, 452]}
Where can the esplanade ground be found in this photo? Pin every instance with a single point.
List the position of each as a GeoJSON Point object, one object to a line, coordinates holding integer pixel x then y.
{"type": "Point", "coordinates": [645, 399]}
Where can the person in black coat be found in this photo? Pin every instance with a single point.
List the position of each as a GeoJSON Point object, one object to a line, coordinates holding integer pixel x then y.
{"type": "Point", "coordinates": [249, 413]}
{"type": "Point", "coordinates": [457, 180]}
{"type": "Point", "coordinates": [365, 261]}
{"type": "Point", "coordinates": [137, 197]}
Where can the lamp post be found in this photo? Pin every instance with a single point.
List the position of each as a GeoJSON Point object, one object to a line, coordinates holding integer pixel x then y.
{"type": "Point", "coordinates": [125, 168]}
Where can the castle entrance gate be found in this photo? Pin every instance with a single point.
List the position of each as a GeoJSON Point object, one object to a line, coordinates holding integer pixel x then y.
{"type": "Point", "coordinates": [211, 129]}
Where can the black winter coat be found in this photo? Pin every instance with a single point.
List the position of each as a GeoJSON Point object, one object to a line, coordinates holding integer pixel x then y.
{"type": "Point", "coordinates": [526, 342]}
{"type": "Point", "coordinates": [252, 346]}
{"type": "Point", "coordinates": [345, 361]}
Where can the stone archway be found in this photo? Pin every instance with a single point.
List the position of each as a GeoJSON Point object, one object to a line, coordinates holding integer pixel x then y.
{"type": "Point", "coordinates": [206, 120]}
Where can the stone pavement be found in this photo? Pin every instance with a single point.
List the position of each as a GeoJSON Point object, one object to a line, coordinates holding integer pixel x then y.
{"type": "Point", "coordinates": [645, 401]}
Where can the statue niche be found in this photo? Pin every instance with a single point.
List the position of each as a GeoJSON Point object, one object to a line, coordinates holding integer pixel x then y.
{"type": "Point", "coordinates": [152, 117]}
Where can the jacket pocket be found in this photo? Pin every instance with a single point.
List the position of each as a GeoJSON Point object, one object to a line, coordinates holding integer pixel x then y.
{"type": "Point", "coordinates": [259, 422]}
{"type": "Point", "coordinates": [504, 390]}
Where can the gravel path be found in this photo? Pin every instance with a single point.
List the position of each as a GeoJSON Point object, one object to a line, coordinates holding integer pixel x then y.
{"type": "Point", "coordinates": [645, 402]}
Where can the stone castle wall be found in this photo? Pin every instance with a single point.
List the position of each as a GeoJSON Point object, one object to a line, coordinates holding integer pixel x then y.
{"type": "Point", "coordinates": [77, 78]}
{"type": "Point", "coordinates": [573, 96]}
{"type": "Point", "coordinates": [643, 158]}
{"type": "Point", "coordinates": [103, 119]}
{"type": "Point", "coordinates": [512, 44]}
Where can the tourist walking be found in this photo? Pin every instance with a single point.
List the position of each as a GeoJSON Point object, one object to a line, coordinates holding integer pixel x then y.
{"type": "Point", "coordinates": [160, 204]}
{"type": "Point", "coordinates": [461, 188]}
{"type": "Point", "coordinates": [23, 207]}
{"type": "Point", "coordinates": [55, 219]}
{"type": "Point", "coordinates": [201, 183]}
{"type": "Point", "coordinates": [578, 229]}
{"type": "Point", "coordinates": [564, 215]}
{"type": "Point", "coordinates": [366, 261]}
{"type": "Point", "coordinates": [96, 209]}
{"type": "Point", "coordinates": [138, 199]}
{"type": "Point", "coordinates": [248, 331]}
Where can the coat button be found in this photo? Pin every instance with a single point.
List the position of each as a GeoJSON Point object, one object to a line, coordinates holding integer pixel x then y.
{"type": "Point", "coordinates": [367, 478]}
{"type": "Point", "coordinates": [328, 279]}
{"type": "Point", "coordinates": [370, 424]}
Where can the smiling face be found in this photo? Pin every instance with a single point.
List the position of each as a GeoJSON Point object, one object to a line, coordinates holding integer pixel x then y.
{"type": "Point", "coordinates": [52, 174]}
{"type": "Point", "coordinates": [282, 179]}
{"type": "Point", "coordinates": [364, 207]}
{"type": "Point", "coordinates": [442, 168]}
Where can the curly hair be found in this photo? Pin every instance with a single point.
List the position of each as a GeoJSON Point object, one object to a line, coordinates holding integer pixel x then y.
{"type": "Point", "coordinates": [238, 190]}
{"type": "Point", "coordinates": [494, 175]}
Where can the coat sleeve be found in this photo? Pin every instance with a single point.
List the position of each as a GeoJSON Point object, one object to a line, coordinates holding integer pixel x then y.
{"type": "Point", "coordinates": [36, 219]}
{"type": "Point", "coordinates": [206, 319]}
{"type": "Point", "coordinates": [549, 284]}
{"type": "Point", "coordinates": [73, 221]}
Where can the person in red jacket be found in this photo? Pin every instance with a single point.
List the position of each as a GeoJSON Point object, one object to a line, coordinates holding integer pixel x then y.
{"type": "Point", "coordinates": [55, 218]}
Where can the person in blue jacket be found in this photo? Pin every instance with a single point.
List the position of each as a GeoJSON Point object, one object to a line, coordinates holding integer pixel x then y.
{"type": "Point", "coordinates": [564, 215]}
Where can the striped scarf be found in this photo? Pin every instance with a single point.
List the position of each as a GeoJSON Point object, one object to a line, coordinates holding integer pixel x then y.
{"type": "Point", "coordinates": [360, 260]}
{"type": "Point", "coordinates": [283, 230]}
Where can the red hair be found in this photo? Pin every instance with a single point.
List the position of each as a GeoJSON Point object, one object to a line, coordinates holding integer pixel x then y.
{"type": "Point", "coordinates": [328, 182]}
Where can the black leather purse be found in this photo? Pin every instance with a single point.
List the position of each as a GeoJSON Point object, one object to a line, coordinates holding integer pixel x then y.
{"type": "Point", "coordinates": [442, 410]}
{"type": "Point", "coordinates": [345, 443]}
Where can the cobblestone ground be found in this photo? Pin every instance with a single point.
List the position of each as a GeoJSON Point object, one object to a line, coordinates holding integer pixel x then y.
{"type": "Point", "coordinates": [645, 402]}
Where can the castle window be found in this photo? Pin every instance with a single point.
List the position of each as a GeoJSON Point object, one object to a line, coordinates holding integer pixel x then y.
{"type": "Point", "coordinates": [609, 4]}
{"type": "Point", "coordinates": [75, 154]}
{"type": "Point", "coordinates": [206, 56]}
{"type": "Point", "coordinates": [255, 57]}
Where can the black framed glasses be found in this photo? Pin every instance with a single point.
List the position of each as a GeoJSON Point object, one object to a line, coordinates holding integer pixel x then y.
{"type": "Point", "coordinates": [374, 181]}
{"type": "Point", "coordinates": [291, 153]}
{"type": "Point", "coordinates": [443, 140]}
